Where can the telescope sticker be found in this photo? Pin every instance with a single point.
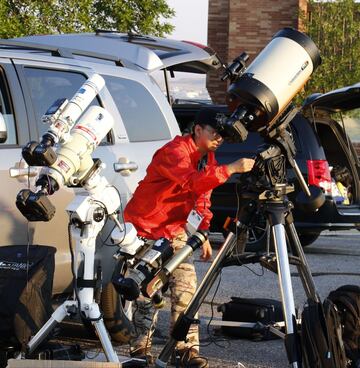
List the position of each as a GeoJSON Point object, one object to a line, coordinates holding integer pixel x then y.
{"type": "Point", "coordinates": [63, 166]}
{"type": "Point", "coordinates": [303, 67]}
{"type": "Point", "coordinates": [88, 131]}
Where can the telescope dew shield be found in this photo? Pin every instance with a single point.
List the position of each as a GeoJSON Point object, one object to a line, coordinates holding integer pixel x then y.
{"type": "Point", "coordinates": [76, 106]}
{"type": "Point", "coordinates": [275, 76]}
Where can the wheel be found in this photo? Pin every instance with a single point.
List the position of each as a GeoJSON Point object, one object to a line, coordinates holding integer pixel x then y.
{"type": "Point", "coordinates": [307, 239]}
{"type": "Point", "coordinates": [117, 311]}
{"type": "Point", "coordinates": [257, 234]}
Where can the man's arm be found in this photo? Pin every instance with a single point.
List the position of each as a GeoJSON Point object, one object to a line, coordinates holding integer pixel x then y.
{"type": "Point", "coordinates": [176, 165]}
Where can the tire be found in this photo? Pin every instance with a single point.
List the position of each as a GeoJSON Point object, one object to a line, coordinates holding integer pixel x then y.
{"type": "Point", "coordinates": [307, 239]}
{"type": "Point", "coordinates": [117, 312]}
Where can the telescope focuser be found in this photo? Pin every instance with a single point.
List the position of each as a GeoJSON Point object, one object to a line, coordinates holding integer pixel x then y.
{"type": "Point", "coordinates": [236, 67]}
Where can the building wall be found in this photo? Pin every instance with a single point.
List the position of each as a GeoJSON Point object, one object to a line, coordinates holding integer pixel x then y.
{"type": "Point", "coordinates": [235, 26]}
{"type": "Point", "coordinates": [218, 39]}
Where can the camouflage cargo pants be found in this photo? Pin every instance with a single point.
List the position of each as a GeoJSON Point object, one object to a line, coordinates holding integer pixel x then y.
{"type": "Point", "coordinates": [182, 285]}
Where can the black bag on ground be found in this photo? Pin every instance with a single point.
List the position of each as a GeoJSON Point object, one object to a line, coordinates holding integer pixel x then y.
{"type": "Point", "coordinates": [265, 311]}
{"type": "Point", "coordinates": [322, 345]}
{"type": "Point", "coordinates": [347, 300]}
{"type": "Point", "coordinates": [26, 279]}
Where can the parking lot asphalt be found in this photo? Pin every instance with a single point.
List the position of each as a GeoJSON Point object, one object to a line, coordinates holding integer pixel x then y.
{"type": "Point", "coordinates": [334, 261]}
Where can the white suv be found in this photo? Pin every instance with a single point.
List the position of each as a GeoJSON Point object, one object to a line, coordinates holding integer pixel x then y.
{"type": "Point", "coordinates": [35, 71]}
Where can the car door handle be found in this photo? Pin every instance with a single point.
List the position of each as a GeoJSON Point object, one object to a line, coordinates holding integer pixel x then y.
{"type": "Point", "coordinates": [125, 167]}
{"type": "Point", "coordinates": [22, 169]}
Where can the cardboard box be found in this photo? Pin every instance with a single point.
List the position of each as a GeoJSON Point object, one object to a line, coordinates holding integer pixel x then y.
{"type": "Point", "coordinates": [27, 363]}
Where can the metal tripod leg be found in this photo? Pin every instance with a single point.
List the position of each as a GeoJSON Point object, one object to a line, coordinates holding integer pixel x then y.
{"type": "Point", "coordinates": [304, 269]}
{"type": "Point", "coordinates": [287, 295]}
{"type": "Point", "coordinates": [104, 338]}
{"type": "Point", "coordinates": [59, 314]}
{"type": "Point", "coordinates": [185, 319]}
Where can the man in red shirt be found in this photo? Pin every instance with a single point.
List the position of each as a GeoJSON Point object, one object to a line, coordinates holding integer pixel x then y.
{"type": "Point", "coordinates": [179, 179]}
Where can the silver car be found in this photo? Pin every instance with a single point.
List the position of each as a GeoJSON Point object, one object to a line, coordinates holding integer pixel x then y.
{"type": "Point", "coordinates": [35, 71]}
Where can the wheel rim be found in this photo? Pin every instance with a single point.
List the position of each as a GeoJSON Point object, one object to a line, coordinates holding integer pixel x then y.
{"type": "Point", "coordinates": [257, 229]}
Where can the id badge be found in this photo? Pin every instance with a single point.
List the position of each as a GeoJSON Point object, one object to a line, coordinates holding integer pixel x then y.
{"type": "Point", "coordinates": [193, 222]}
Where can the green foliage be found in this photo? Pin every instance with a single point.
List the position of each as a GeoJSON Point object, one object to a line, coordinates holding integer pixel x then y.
{"type": "Point", "coordinates": [29, 17]}
{"type": "Point", "coordinates": [334, 26]}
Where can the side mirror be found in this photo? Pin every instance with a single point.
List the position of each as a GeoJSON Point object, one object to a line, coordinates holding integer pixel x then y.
{"type": "Point", "coordinates": [3, 129]}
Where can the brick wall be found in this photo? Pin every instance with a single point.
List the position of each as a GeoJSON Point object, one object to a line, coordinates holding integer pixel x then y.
{"type": "Point", "coordinates": [235, 26]}
{"type": "Point", "coordinates": [218, 39]}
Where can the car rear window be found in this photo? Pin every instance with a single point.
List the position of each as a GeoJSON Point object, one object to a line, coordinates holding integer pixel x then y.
{"type": "Point", "coordinates": [47, 85]}
{"type": "Point", "coordinates": [141, 114]}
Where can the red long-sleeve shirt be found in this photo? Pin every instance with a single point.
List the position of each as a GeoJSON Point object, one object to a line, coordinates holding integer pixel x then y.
{"type": "Point", "coordinates": [172, 187]}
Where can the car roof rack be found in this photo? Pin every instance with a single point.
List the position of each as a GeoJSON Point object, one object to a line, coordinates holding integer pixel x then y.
{"type": "Point", "coordinates": [137, 39]}
{"type": "Point", "coordinates": [129, 36]}
{"type": "Point", "coordinates": [60, 51]}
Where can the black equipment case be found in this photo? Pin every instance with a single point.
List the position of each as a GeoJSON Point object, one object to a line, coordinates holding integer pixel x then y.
{"type": "Point", "coordinates": [261, 312]}
{"type": "Point", "coordinates": [26, 280]}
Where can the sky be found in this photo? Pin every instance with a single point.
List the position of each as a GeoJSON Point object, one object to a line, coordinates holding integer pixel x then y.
{"type": "Point", "coordinates": [190, 20]}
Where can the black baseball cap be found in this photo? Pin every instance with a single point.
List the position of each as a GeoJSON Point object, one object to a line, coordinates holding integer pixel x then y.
{"type": "Point", "coordinates": [210, 116]}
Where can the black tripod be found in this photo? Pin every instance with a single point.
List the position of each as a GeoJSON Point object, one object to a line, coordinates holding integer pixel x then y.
{"type": "Point", "coordinates": [270, 197]}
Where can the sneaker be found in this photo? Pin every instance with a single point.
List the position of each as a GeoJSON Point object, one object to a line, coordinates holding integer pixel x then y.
{"type": "Point", "coordinates": [189, 358]}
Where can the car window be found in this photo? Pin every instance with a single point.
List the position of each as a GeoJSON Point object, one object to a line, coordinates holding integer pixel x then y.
{"type": "Point", "coordinates": [47, 85]}
{"type": "Point", "coordinates": [6, 111]}
{"type": "Point", "coordinates": [352, 124]}
{"type": "Point", "coordinates": [184, 87]}
{"type": "Point", "coordinates": [140, 112]}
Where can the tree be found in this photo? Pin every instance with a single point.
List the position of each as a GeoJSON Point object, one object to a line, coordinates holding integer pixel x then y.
{"type": "Point", "coordinates": [334, 26]}
{"type": "Point", "coordinates": [28, 17]}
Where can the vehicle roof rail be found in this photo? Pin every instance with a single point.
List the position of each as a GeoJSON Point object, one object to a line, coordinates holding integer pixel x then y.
{"type": "Point", "coordinates": [59, 51]}
{"type": "Point", "coordinates": [129, 36]}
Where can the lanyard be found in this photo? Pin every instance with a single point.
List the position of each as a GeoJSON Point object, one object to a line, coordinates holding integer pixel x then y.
{"type": "Point", "coordinates": [201, 167]}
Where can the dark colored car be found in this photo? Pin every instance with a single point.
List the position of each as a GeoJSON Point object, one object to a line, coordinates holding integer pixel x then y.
{"type": "Point", "coordinates": [325, 156]}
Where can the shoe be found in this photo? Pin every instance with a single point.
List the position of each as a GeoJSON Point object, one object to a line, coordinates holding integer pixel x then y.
{"type": "Point", "coordinates": [189, 358]}
{"type": "Point", "coordinates": [144, 355]}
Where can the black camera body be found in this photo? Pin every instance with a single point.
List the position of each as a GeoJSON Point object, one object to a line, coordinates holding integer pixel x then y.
{"type": "Point", "coordinates": [35, 206]}
{"type": "Point", "coordinates": [40, 154]}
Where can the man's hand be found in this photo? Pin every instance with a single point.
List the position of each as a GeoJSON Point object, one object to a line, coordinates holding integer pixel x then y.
{"type": "Point", "coordinates": [241, 166]}
{"type": "Point", "coordinates": [206, 251]}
